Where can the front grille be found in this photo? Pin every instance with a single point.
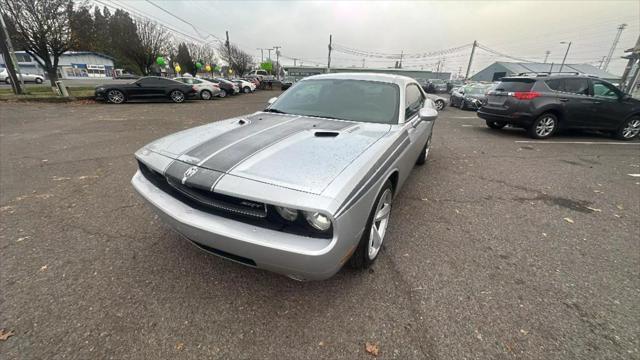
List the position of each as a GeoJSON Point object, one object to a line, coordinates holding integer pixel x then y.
{"type": "Point", "coordinates": [222, 202]}
{"type": "Point", "coordinates": [230, 207]}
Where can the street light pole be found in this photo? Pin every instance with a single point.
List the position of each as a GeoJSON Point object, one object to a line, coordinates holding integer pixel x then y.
{"type": "Point", "coordinates": [565, 54]}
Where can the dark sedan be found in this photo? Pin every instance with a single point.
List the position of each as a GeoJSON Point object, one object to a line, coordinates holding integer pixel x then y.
{"type": "Point", "coordinates": [227, 87]}
{"type": "Point", "coordinates": [470, 96]}
{"type": "Point", "coordinates": [150, 87]}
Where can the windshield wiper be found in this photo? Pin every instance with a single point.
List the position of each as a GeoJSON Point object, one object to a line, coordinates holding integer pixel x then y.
{"type": "Point", "coordinates": [326, 117]}
{"type": "Point", "coordinates": [274, 111]}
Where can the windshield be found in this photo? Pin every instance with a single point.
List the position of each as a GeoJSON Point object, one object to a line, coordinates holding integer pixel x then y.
{"type": "Point", "coordinates": [355, 100]}
{"type": "Point", "coordinates": [475, 90]}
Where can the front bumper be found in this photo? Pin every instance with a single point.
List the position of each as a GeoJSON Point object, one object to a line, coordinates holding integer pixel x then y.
{"type": "Point", "coordinates": [299, 257]}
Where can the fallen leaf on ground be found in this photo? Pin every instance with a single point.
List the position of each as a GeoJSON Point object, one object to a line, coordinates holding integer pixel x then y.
{"type": "Point", "coordinates": [372, 348]}
{"type": "Point", "coordinates": [43, 268]}
{"type": "Point", "coordinates": [4, 335]}
{"type": "Point", "coordinates": [523, 332]}
{"type": "Point", "coordinates": [179, 345]}
{"type": "Point", "coordinates": [321, 343]}
{"type": "Point", "coordinates": [569, 220]}
{"type": "Point", "coordinates": [594, 209]}
{"type": "Point", "coordinates": [620, 207]}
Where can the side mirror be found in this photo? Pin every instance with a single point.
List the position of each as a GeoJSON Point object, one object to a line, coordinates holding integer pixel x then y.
{"type": "Point", "coordinates": [138, 84]}
{"type": "Point", "coordinates": [428, 114]}
{"type": "Point", "coordinates": [272, 100]}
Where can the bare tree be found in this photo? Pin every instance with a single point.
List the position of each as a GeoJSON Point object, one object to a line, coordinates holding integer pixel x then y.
{"type": "Point", "coordinates": [152, 41]}
{"type": "Point", "coordinates": [41, 28]}
{"type": "Point", "coordinates": [239, 60]}
{"type": "Point", "coordinates": [203, 53]}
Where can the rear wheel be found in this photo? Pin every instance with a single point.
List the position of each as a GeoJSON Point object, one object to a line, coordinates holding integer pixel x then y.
{"type": "Point", "coordinates": [496, 124]}
{"type": "Point", "coordinates": [115, 96]}
{"type": "Point", "coordinates": [629, 129]}
{"type": "Point", "coordinates": [439, 105]}
{"type": "Point", "coordinates": [246, 89]}
{"type": "Point", "coordinates": [205, 95]}
{"type": "Point", "coordinates": [38, 81]}
{"type": "Point", "coordinates": [371, 241]}
{"type": "Point", "coordinates": [177, 96]}
{"type": "Point", "coordinates": [543, 127]}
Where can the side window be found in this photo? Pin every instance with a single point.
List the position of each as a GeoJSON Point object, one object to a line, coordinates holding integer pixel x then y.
{"type": "Point", "coordinates": [576, 86]}
{"type": "Point", "coordinates": [196, 81]}
{"type": "Point", "coordinates": [555, 84]}
{"type": "Point", "coordinates": [413, 101]}
{"type": "Point", "coordinates": [602, 89]}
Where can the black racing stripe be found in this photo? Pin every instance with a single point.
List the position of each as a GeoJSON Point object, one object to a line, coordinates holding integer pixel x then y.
{"type": "Point", "coordinates": [375, 172]}
{"type": "Point", "coordinates": [255, 123]}
{"type": "Point", "coordinates": [226, 159]}
{"type": "Point", "coordinates": [202, 178]}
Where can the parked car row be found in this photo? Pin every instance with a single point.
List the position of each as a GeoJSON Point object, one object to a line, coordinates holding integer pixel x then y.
{"type": "Point", "coordinates": [177, 89]}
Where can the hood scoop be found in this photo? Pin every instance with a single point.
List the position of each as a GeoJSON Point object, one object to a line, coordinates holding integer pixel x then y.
{"type": "Point", "coordinates": [326, 133]}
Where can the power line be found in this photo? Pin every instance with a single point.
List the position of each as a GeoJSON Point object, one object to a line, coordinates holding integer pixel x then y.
{"type": "Point", "coordinates": [185, 21]}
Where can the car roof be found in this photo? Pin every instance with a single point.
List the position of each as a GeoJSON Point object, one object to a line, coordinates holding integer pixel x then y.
{"type": "Point", "coordinates": [380, 77]}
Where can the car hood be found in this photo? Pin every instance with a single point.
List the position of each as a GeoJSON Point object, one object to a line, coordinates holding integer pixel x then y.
{"type": "Point", "coordinates": [296, 152]}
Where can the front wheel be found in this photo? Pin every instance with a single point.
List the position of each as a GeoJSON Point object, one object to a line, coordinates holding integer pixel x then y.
{"type": "Point", "coordinates": [496, 124]}
{"type": "Point", "coordinates": [424, 154]}
{"type": "Point", "coordinates": [246, 89]}
{"type": "Point", "coordinates": [223, 93]}
{"type": "Point", "coordinates": [205, 95]}
{"type": "Point", "coordinates": [439, 105]}
{"type": "Point", "coordinates": [371, 241]}
{"type": "Point", "coordinates": [177, 96]}
{"type": "Point", "coordinates": [629, 129]}
{"type": "Point", "coordinates": [115, 96]}
{"type": "Point", "coordinates": [543, 127]}
{"type": "Point", "coordinates": [7, 80]}
{"type": "Point", "coordinates": [38, 81]}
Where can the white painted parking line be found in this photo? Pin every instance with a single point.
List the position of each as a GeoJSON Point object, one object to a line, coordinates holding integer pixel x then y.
{"type": "Point", "coordinates": [634, 175]}
{"type": "Point", "coordinates": [464, 117]}
{"type": "Point", "coordinates": [466, 125]}
{"type": "Point", "coordinates": [576, 142]}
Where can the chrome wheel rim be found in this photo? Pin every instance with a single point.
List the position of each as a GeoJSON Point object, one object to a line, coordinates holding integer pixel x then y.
{"type": "Point", "coordinates": [205, 95]}
{"type": "Point", "coordinates": [115, 96]}
{"type": "Point", "coordinates": [177, 96]}
{"type": "Point", "coordinates": [439, 105]}
{"type": "Point", "coordinates": [223, 94]}
{"type": "Point", "coordinates": [380, 224]}
{"type": "Point", "coordinates": [545, 126]}
{"type": "Point", "coordinates": [632, 129]}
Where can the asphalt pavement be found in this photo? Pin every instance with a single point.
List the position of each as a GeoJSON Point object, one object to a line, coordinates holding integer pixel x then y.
{"type": "Point", "coordinates": [500, 247]}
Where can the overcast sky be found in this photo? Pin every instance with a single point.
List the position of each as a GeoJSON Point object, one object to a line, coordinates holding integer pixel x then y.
{"type": "Point", "coordinates": [520, 29]}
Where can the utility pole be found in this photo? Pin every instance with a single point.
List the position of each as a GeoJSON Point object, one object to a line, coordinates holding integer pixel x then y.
{"type": "Point", "coordinates": [228, 52]}
{"type": "Point", "coordinates": [438, 66]}
{"type": "Point", "coordinates": [601, 62]}
{"type": "Point", "coordinates": [269, 50]}
{"type": "Point", "coordinates": [565, 54]}
{"type": "Point", "coordinates": [627, 85]}
{"type": "Point", "coordinates": [329, 57]}
{"type": "Point", "coordinates": [473, 50]}
{"type": "Point", "coordinates": [294, 61]}
{"type": "Point", "coordinates": [400, 63]}
{"type": "Point", "coordinates": [613, 46]}
{"type": "Point", "coordinates": [546, 55]}
{"type": "Point", "coordinates": [261, 54]}
{"type": "Point", "coordinates": [10, 59]}
{"type": "Point", "coordinates": [277, 48]}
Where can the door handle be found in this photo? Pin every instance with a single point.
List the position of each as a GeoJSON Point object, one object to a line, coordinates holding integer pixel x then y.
{"type": "Point", "coordinates": [563, 99]}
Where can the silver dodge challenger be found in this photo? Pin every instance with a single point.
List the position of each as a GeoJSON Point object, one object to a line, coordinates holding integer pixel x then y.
{"type": "Point", "coordinates": [300, 188]}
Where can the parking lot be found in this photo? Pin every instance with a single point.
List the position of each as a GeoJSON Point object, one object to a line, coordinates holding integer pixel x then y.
{"type": "Point", "coordinates": [500, 247]}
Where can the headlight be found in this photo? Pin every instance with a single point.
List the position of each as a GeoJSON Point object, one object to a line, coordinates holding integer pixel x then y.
{"type": "Point", "coordinates": [318, 221]}
{"type": "Point", "coordinates": [100, 89]}
{"type": "Point", "coordinates": [287, 213]}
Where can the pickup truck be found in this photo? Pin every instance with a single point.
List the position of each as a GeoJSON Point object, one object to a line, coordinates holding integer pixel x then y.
{"type": "Point", "coordinates": [263, 75]}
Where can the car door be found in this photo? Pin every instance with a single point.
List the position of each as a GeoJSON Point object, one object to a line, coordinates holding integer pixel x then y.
{"type": "Point", "coordinates": [577, 102]}
{"type": "Point", "coordinates": [139, 89]}
{"type": "Point", "coordinates": [417, 129]}
{"type": "Point", "coordinates": [608, 108]}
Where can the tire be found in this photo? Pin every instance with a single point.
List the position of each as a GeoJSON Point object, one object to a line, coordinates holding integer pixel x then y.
{"type": "Point", "coordinates": [246, 89]}
{"type": "Point", "coordinates": [223, 93]}
{"type": "Point", "coordinates": [205, 95]}
{"type": "Point", "coordinates": [629, 129]}
{"type": "Point", "coordinates": [38, 81]}
{"type": "Point", "coordinates": [369, 246]}
{"type": "Point", "coordinates": [439, 105]}
{"type": "Point", "coordinates": [463, 105]}
{"type": "Point", "coordinates": [543, 127]}
{"type": "Point", "coordinates": [115, 96]}
{"type": "Point", "coordinates": [424, 154]}
{"type": "Point", "coordinates": [177, 96]}
{"type": "Point", "coordinates": [496, 124]}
